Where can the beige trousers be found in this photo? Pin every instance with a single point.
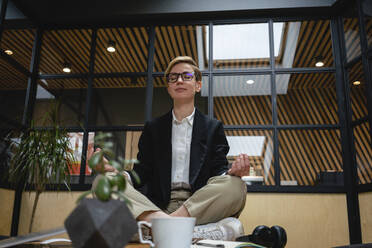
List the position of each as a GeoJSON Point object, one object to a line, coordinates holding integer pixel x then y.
{"type": "Point", "coordinates": [223, 196]}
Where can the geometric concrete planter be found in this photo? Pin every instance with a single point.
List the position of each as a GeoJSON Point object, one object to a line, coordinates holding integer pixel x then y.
{"type": "Point", "coordinates": [94, 223]}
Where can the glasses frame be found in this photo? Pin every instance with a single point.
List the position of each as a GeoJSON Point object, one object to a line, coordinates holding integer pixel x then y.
{"type": "Point", "coordinates": [183, 74]}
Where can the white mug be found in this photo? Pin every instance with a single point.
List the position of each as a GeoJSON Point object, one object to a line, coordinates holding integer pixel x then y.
{"type": "Point", "coordinates": [169, 232]}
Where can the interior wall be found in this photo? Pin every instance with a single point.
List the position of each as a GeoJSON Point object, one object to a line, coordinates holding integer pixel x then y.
{"type": "Point", "coordinates": [310, 220]}
{"type": "Point", "coordinates": [53, 208]}
{"type": "Point", "coordinates": [6, 211]}
{"type": "Point", "coordinates": [365, 206]}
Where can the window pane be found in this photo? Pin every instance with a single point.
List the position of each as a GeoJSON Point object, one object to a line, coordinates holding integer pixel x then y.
{"type": "Point", "coordinates": [118, 101]}
{"type": "Point", "coordinates": [238, 46]}
{"type": "Point", "coordinates": [65, 46]}
{"type": "Point", "coordinates": [76, 145]}
{"type": "Point", "coordinates": [298, 165]}
{"type": "Point", "coordinates": [362, 141]}
{"type": "Point", "coordinates": [306, 98]}
{"type": "Point", "coordinates": [13, 85]}
{"type": "Point", "coordinates": [131, 48]}
{"type": "Point", "coordinates": [357, 91]}
{"type": "Point", "coordinates": [303, 44]}
{"type": "Point", "coordinates": [162, 102]}
{"type": "Point", "coordinates": [71, 94]}
{"type": "Point", "coordinates": [18, 44]}
{"type": "Point", "coordinates": [242, 99]}
{"type": "Point", "coordinates": [367, 11]}
{"type": "Point", "coordinates": [352, 38]}
{"type": "Point", "coordinates": [258, 145]}
{"type": "Point", "coordinates": [173, 41]}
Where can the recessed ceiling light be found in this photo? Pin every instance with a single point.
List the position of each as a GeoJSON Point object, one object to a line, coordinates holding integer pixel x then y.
{"type": "Point", "coordinates": [250, 81]}
{"type": "Point", "coordinates": [319, 64]}
{"type": "Point", "coordinates": [9, 52]}
{"type": "Point", "coordinates": [66, 67]}
{"type": "Point", "coordinates": [356, 82]}
{"type": "Point", "coordinates": [111, 46]}
{"type": "Point", "coordinates": [319, 61]}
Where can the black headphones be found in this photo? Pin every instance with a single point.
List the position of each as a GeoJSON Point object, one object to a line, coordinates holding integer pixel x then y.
{"type": "Point", "coordinates": [274, 237]}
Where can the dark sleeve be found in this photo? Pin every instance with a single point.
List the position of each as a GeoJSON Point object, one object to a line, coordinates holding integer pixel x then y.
{"type": "Point", "coordinates": [220, 150]}
{"type": "Point", "coordinates": [144, 167]}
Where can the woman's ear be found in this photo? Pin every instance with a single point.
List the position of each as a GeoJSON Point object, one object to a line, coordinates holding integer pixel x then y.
{"type": "Point", "coordinates": [198, 86]}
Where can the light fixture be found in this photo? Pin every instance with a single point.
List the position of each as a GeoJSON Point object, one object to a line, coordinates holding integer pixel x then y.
{"type": "Point", "coordinates": [250, 81]}
{"type": "Point", "coordinates": [111, 46]}
{"type": "Point", "coordinates": [66, 67]}
{"type": "Point", "coordinates": [356, 82]}
{"type": "Point", "coordinates": [319, 61]}
{"type": "Point", "coordinates": [9, 52]}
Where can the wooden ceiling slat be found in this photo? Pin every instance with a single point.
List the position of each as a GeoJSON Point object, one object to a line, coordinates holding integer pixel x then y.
{"type": "Point", "coordinates": [363, 153]}
{"type": "Point", "coordinates": [166, 44]}
{"type": "Point", "coordinates": [128, 58]}
{"type": "Point", "coordinates": [142, 62]}
{"type": "Point", "coordinates": [143, 43]}
{"type": "Point", "coordinates": [67, 52]}
{"type": "Point", "coordinates": [117, 61]}
{"type": "Point", "coordinates": [175, 46]}
{"type": "Point", "coordinates": [179, 39]}
{"type": "Point", "coordinates": [294, 163]}
{"type": "Point", "coordinates": [186, 42]}
{"type": "Point", "coordinates": [123, 57]}
{"type": "Point", "coordinates": [191, 30]}
{"type": "Point", "coordinates": [102, 62]}
{"type": "Point", "coordinates": [160, 52]}
{"type": "Point", "coordinates": [134, 50]}
{"type": "Point", "coordinates": [307, 39]}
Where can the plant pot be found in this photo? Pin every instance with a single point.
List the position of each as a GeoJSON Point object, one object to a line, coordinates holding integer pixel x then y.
{"type": "Point", "coordinates": [94, 223]}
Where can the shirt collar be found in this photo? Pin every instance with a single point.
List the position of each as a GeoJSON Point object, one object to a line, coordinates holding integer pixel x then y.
{"type": "Point", "coordinates": [189, 119]}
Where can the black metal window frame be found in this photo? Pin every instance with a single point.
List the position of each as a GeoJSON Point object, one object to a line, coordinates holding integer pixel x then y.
{"type": "Point", "coordinates": [340, 69]}
{"type": "Point", "coordinates": [210, 72]}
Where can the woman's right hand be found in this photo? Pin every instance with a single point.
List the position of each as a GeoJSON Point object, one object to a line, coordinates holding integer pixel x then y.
{"type": "Point", "coordinates": [107, 166]}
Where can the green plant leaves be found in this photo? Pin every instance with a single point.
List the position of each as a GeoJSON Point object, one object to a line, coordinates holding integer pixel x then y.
{"type": "Point", "coordinates": [103, 189]}
{"type": "Point", "coordinates": [106, 186]}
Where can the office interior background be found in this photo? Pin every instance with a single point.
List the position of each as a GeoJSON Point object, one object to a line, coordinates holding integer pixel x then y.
{"type": "Point", "coordinates": [291, 82]}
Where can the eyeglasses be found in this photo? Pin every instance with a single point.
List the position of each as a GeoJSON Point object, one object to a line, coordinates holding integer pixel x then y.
{"type": "Point", "coordinates": [186, 76]}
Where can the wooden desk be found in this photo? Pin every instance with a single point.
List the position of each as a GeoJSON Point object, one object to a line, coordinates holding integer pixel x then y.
{"type": "Point", "coordinates": [38, 245]}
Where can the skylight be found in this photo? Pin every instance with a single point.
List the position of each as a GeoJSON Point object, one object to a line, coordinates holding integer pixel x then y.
{"type": "Point", "coordinates": [244, 41]}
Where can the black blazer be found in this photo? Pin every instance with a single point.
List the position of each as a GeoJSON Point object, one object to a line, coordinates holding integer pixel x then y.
{"type": "Point", "coordinates": [207, 156]}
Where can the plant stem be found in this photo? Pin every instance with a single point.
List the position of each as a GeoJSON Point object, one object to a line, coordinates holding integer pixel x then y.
{"type": "Point", "coordinates": [38, 192]}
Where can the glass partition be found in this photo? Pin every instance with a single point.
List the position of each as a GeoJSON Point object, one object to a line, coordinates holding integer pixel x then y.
{"type": "Point", "coordinates": [242, 99]}
{"type": "Point", "coordinates": [187, 40]}
{"type": "Point", "coordinates": [303, 44]}
{"type": "Point", "coordinates": [118, 101]}
{"type": "Point", "coordinates": [306, 155]}
{"type": "Point", "coordinates": [258, 145]}
{"type": "Point", "coordinates": [240, 46]}
{"type": "Point", "coordinates": [306, 98]}
{"type": "Point", "coordinates": [121, 50]}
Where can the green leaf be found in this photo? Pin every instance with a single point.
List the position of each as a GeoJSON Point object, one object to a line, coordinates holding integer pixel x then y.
{"type": "Point", "coordinates": [119, 181]}
{"type": "Point", "coordinates": [95, 160]}
{"type": "Point", "coordinates": [116, 165]}
{"type": "Point", "coordinates": [103, 189]}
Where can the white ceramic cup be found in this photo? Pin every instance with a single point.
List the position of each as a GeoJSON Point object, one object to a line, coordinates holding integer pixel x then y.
{"type": "Point", "coordinates": [169, 232]}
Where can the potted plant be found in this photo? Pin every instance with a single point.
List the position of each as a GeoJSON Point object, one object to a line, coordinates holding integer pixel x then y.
{"type": "Point", "coordinates": [41, 157]}
{"type": "Point", "coordinates": [105, 220]}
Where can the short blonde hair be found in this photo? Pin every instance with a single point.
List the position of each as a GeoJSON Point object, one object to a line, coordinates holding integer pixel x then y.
{"type": "Point", "coordinates": [187, 60]}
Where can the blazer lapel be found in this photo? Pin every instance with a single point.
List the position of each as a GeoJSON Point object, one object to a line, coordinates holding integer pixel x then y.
{"type": "Point", "coordinates": [198, 146]}
{"type": "Point", "coordinates": [165, 141]}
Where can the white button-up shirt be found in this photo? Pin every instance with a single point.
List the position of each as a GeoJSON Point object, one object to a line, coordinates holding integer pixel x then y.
{"type": "Point", "coordinates": [181, 143]}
